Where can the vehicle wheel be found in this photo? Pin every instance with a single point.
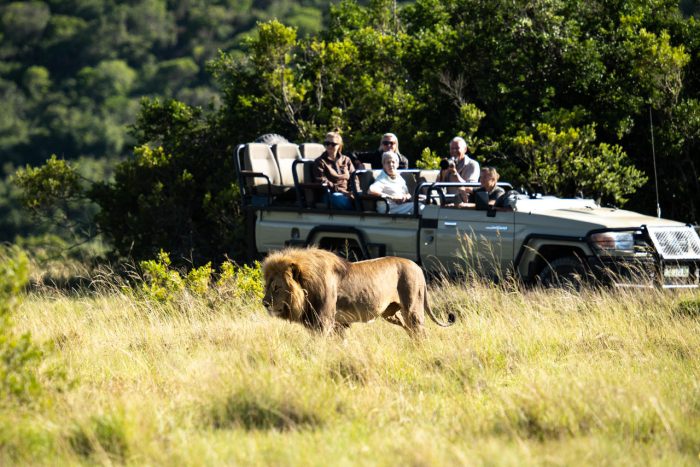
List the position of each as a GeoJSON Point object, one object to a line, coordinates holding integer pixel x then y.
{"type": "Point", "coordinates": [566, 272]}
{"type": "Point", "coordinates": [271, 138]}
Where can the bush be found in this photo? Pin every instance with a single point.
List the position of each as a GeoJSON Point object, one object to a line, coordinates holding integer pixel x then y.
{"type": "Point", "coordinates": [160, 281]}
{"type": "Point", "coordinates": [241, 281]}
{"type": "Point", "coordinates": [164, 283]}
{"type": "Point", "coordinates": [19, 357]}
{"type": "Point", "coordinates": [689, 308]}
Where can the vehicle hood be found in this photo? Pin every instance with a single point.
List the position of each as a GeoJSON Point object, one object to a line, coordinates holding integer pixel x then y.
{"type": "Point", "coordinates": [581, 211]}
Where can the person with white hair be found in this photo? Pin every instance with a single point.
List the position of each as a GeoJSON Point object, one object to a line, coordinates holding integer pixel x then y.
{"type": "Point", "coordinates": [465, 169]}
{"type": "Point", "coordinates": [391, 187]}
{"type": "Point", "coordinates": [389, 142]}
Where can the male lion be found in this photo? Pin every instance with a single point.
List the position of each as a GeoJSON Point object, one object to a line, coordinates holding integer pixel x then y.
{"type": "Point", "coordinates": [322, 291]}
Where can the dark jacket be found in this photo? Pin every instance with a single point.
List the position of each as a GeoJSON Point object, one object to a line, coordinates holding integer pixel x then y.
{"type": "Point", "coordinates": [375, 159]}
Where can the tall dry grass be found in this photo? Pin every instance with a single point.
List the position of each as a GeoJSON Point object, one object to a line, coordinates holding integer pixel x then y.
{"type": "Point", "coordinates": [525, 377]}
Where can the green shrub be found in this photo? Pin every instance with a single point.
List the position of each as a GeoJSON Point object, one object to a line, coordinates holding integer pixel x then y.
{"type": "Point", "coordinates": [241, 281]}
{"type": "Point", "coordinates": [164, 283]}
{"type": "Point", "coordinates": [161, 282]}
{"type": "Point", "coordinates": [689, 308]}
{"type": "Point", "coordinates": [198, 279]}
{"type": "Point", "coordinates": [428, 160]}
{"type": "Point", "coordinates": [19, 357]}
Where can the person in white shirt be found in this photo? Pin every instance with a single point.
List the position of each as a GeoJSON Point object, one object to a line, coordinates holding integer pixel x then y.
{"type": "Point", "coordinates": [390, 186]}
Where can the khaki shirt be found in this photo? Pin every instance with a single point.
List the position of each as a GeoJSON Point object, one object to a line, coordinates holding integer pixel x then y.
{"type": "Point", "coordinates": [468, 169]}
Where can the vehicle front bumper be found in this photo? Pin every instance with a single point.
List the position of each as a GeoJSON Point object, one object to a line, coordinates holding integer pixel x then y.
{"type": "Point", "coordinates": [620, 271]}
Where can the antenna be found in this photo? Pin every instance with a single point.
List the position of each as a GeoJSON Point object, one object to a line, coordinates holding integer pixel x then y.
{"type": "Point", "coordinates": [653, 157]}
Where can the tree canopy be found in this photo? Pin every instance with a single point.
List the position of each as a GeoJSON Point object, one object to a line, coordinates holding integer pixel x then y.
{"type": "Point", "coordinates": [559, 94]}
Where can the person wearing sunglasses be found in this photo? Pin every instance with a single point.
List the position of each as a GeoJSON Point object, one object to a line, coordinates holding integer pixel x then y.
{"type": "Point", "coordinates": [389, 142]}
{"type": "Point", "coordinates": [333, 170]}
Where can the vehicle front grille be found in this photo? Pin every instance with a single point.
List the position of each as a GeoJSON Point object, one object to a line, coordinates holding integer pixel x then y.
{"type": "Point", "coordinates": [675, 243]}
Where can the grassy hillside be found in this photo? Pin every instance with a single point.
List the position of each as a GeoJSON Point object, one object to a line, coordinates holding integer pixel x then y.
{"type": "Point", "coordinates": [524, 378]}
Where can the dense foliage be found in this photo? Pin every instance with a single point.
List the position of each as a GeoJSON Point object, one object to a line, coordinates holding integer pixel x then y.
{"type": "Point", "coordinates": [558, 94]}
{"type": "Point", "coordinates": [72, 73]}
{"type": "Point", "coordinates": [19, 356]}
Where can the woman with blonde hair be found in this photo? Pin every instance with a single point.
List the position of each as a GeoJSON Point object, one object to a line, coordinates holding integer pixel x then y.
{"type": "Point", "coordinates": [333, 170]}
{"type": "Point", "coordinates": [389, 142]}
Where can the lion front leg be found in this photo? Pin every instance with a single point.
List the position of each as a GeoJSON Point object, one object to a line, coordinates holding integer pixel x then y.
{"type": "Point", "coordinates": [326, 315]}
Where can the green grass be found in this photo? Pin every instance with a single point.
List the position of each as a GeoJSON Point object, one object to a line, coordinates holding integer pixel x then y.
{"type": "Point", "coordinates": [525, 377]}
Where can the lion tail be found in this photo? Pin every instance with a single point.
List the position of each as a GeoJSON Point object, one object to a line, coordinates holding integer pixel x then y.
{"type": "Point", "coordinates": [451, 318]}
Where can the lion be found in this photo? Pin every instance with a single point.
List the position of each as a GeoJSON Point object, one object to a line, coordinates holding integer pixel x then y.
{"type": "Point", "coordinates": [327, 293]}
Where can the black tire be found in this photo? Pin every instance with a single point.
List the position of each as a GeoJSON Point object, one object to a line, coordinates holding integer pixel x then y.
{"type": "Point", "coordinates": [271, 138]}
{"type": "Point", "coordinates": [566, 272]}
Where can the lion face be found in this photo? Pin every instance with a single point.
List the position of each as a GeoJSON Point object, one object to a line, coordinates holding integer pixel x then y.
{"type": "Point", "coordinates": [284, 298]}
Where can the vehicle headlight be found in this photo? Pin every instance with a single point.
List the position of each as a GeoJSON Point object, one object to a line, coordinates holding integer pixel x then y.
{"type": "Point", "coordinates": [613, 242]}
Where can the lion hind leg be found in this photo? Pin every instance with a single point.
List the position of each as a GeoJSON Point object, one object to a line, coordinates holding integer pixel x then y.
{"type": "Point", "coordinates": [415, 322]}
{"type": "Point", "coordinates": [395, 314]}
{"type": "Point", "coordinates": [392, 314]}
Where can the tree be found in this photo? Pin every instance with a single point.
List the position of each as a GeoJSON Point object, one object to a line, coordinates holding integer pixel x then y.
{"type": "Point", "coordinates": [567, 162]}
{"type": "Point", "coordinates": [554, 92]}
{"type": "Point", "coordinates": [177, 193]}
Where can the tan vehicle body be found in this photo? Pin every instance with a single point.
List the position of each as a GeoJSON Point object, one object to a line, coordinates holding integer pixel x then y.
{"type": "Point", "coordinates": [533, 239]}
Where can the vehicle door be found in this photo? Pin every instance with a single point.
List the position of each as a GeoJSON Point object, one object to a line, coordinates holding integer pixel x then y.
{"type": "Point", "coordinates": [475, 241]}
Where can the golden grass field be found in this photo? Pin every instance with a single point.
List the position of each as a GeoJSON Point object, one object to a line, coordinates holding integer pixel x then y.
{"type": "Point", "coordinates": [525, 377]}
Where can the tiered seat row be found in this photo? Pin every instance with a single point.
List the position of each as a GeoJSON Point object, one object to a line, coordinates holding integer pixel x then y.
{"type": "Point", "coordinates": [282, 174]}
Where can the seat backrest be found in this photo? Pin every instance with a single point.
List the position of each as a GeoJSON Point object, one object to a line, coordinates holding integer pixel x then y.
{"type": "Point", "coordinates": [258, 157]}
{"type": "Point", "coordinates": [310, 196]}
{"type": "Point", "coordinates": [285, 154]}
{"type": "Point", "coordinates": [428, 176]}
{"type": "Point", "coordinates": [365, 179]}
{"type": "Point", "coordinates": [311, 150]}
{"type": "Point", "coordinates": [410, 176]}
{"type": "Point", "coordinates": [307, 175]}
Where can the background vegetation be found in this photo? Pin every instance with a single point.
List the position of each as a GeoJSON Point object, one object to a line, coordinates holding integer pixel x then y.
{"type": "Point", "coordinates": [524, 378]}
{"type": "Point", "coordinates": [72, 74]}
{"type": "Point", "coordinates": [168, 366]}
{"type": "Point", "coordinates": [558, 94]}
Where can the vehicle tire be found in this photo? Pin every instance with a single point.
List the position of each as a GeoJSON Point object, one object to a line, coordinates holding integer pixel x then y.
{"type": "Point", "coordinates": [271, 138]}
{"type": "Point", "coordinates": [565, 272]}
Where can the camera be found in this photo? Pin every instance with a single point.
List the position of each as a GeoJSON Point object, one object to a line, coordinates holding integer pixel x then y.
{"type": "Point", "coordinates": [447, 164]}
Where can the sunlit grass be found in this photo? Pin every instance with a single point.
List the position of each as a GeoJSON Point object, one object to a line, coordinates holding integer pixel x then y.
{"type": "Point", "coordinates": [524, 377]}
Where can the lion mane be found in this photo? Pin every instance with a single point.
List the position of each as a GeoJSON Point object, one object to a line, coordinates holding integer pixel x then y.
{"type": "Point", "coordinates": [325, 292]}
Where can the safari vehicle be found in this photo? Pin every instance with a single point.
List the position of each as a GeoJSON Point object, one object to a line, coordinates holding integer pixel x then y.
{"type": "Point", "coordinates": [538, 239]}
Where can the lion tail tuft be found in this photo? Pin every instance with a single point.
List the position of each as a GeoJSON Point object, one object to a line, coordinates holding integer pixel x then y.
{"type": "Point", "coordinates": [451, 317]}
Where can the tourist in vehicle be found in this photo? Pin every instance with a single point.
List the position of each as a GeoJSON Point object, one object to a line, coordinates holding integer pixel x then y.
{"type": "Point", "coordinates": [488, 180]}
{"type": "Point", "coordinates": [333, 170]}
{"type": "Point", "coordinates": [466, 167]}
{"type": "Point", "coordinates": [448, 173]}
{"type": "Point", "coordinates": [390, 186]}
{"type": "Point", "coordinates": [389, 142]}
